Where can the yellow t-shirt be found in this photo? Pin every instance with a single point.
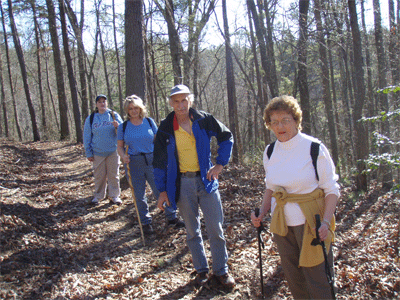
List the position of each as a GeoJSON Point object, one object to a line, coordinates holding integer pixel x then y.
{"type": "Point", "coordinates": [187, 153]}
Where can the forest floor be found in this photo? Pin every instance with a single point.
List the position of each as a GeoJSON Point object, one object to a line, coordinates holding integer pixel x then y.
{"type": "Point", "coordinates": [56, 245]}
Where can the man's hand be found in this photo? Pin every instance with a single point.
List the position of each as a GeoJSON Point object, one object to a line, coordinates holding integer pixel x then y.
{"type": "Point", "coordinates": [90, 159]}
{"type": "Point", "coordinates": [214, 172]}
{"type": "Point", "coordinates": [163, 198]}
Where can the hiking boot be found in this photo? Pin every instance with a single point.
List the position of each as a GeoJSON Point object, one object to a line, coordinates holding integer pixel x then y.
{"type": "Point", "coordinates": [201, 278]}
{"type": "Point", "coordinates": [226, 280]}
{"type": "Point", "coordinates": [95, 201]}
{"type": "Point", "coordinates": [148, 229]}
{"type": "Point", "coordinates": [176, 223]}
{"type": "Point", "coordinates": [116, 200]}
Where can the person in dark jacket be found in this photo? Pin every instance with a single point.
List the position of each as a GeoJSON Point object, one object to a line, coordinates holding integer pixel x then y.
{"type": "Point", "coordinates": [187, 179]}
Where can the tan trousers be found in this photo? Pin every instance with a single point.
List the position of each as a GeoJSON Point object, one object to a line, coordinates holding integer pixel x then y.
{"type": "Point", "coordinates": [304, 283]}
{"type": "Point", "coordinates": [106, 173]}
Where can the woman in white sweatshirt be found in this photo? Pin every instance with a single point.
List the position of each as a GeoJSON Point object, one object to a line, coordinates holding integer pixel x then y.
{"type": "Point", "coordinates": [296, 191]}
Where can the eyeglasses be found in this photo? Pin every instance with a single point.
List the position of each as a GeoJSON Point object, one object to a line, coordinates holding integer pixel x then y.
{"type": "Point", "coordinates": [284, 122]}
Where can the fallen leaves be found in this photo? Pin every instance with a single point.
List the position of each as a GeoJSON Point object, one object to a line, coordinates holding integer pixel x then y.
{"type": "Point", "coordinates": [55, 245]}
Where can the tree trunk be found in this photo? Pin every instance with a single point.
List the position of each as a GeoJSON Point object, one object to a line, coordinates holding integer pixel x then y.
{"type": "Point", "coordinates": [230, 81]}
{"type": "Point", "coordinates": [134, 43]}
{"type": "Point", "coordinates": [120, 97]}
{"type": "Point", "coordinates": [103, 55]}
{"type": "Point", "coordinates": [71, 76]}
{"type": "Point", "coordinates": [265, 60]}
{"type": "Point", "coordinates": [40, 87]}
{"type": "Point", "coordinates": [21, 60]}
{"type": "Point", "coordinates": [393, 45]}
{"type": "Point", "coordinates": [173, 37]}
{"type": "Point", "coordinates": [62, 102]}
{"type": "Point", "coordinates": [325, 81]}
{"type": "Point", "coordinates": [383, 98]}
{"type": "Point", "coordinates": [370, 91]}
{"type": "Point", "coordinates": [302, 66]}
{"type": "Point", "coordinates": [78, 30]}
{"type": "Point", "coordinates": [361, 140]}
{"type": "Point", "coordinates": [3, 101]}
{"type": "Point", "coordinates": [9, 74]}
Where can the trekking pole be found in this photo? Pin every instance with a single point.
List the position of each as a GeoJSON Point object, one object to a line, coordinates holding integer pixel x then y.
{"type": "Point", "coordinates": [316, 242]}
{"type": "Point", "coordinates": [260, 244]}
{"type": "Point", "coordinates": [133, 196]}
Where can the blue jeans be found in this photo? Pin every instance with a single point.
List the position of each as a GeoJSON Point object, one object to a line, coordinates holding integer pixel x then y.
{"type": "Point", "coordinates": [141, 171]}
{"type": "Point", "coordinates": [192, 196]}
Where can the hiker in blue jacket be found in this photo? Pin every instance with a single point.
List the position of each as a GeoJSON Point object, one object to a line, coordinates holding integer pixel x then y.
{"type": "Point", "coordinates": [100, 141]}
{"type": "Point", "coordinates": [187, 179]}
{"type": "Point", "coordinates": [137, 133]}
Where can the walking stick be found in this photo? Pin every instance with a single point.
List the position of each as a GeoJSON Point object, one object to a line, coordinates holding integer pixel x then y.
{"type": "Point", "coordinates": [316, 242]}
{"type": "Point", "coordinates": [133, 196]}
{"type": "Point", "coordinates": [260, 244]}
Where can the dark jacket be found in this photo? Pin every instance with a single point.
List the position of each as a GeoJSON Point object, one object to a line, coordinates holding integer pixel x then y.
{"type": "Point", "coordinates": [165, 162]}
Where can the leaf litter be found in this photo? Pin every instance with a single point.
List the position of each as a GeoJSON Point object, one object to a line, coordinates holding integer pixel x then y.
{"type": "Point", "coordinates": [55, 245]}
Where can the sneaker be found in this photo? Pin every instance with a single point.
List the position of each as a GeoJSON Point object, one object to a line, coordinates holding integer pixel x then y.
{"type": "Point", "coordinates": [95, 201]}
{"type": "Point", "coordinates": [176, 223]}
{"type": "Point", "coordinates": [226, 280]}
{"type": "Point", "coordinates": [148, 229]}
{"type": "Point", "coordinates": [201, 278]}
{"type": "Point", "coordinates": [116, 200]}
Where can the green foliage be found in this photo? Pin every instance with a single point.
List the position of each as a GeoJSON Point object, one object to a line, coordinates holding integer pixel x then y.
{"type": "Point", "coordinates": [382, 117]}
{"type": "Point", "coordinates": [389, 89]}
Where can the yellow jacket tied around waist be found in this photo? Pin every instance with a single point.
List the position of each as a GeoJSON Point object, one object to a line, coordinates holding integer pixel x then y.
{"type": "Point", "coordinates": [311, 204]}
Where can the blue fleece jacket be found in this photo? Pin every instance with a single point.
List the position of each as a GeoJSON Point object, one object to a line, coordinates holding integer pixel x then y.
{"type": "Point", "coordinates": [165, 162]}
{"type": "Point", "coordinates": [100, 138]}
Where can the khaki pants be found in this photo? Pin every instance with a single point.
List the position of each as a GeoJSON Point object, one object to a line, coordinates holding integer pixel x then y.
{"type": "Point", "coordinates": [106, 173]}
{"type": "Point", "coordinates": [304, 283]}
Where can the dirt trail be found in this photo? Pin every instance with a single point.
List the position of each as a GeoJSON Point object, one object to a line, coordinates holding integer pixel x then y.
{"type": "Point", "coordinates": [55, 245]}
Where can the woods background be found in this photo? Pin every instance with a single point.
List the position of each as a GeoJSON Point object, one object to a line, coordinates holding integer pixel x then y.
{"type": "Point", "coordinates": [341, 65]}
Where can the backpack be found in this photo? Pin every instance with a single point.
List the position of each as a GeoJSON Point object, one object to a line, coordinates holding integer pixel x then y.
{"type": "Point", "coordinates": [314, 151]}
{"type": "Point", "coordinates": [126, 123]}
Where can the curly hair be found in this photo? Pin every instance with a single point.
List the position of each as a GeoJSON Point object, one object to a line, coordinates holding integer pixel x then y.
{"type": "Point", "coordinates": [284, 103]}
{"type": "Point", "coordinates": [136, 101]}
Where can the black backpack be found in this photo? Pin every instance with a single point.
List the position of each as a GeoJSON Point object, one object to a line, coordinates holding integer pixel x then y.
{"type": "Point", "coordinates": [314, 151]}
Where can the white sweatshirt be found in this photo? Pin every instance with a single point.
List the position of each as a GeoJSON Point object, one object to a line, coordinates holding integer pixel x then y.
{"type": "Point", "coordinates": [291, 167]}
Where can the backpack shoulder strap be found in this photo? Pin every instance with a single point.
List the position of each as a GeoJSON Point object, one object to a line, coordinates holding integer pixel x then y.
{"type": "Point", "coordinates": [124, 126]}
{"type": "Point", "coordinates": [314, 152]}
{"type": "Point", "coordinates": [151, 125]}
{"type": "Point", "coordinates": [91, 118]}
{"type": "Point", "coordinates": [270, 149]}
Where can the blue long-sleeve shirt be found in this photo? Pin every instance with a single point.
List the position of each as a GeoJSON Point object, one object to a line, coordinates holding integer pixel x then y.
{"type": "Point", "coordinates": [100, 138]}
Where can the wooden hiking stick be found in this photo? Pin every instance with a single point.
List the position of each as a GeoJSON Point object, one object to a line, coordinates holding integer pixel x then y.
{"type": "Point", "coordinates": [133, 196]}
{"type": "Point", "coordinates": [113, 116]}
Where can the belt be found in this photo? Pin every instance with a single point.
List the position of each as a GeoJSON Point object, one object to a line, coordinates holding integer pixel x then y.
{"type": "Point", "coordinates": [190, 174]}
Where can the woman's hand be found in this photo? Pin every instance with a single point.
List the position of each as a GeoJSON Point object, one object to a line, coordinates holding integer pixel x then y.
{"type": "Point", "coordinates": [116, 124]}
{"type": "Point", "coordinates": [125, 159]}
{"type": "Point", "coordinates": [323, 231]}
{"type": "Point", "coordinates": [163, 198]}
{"type": "Point", "coordinates": [256, 220]}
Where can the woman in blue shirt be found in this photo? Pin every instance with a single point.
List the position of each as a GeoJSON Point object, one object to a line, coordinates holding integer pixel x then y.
{"type": "Point", "coordinates": [138, 134]}
{"type": "Point", "coordinates": [100, 141]}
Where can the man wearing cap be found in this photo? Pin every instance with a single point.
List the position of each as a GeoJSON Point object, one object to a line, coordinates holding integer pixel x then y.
{"type": "Point", "coordinates": [187, 179]}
